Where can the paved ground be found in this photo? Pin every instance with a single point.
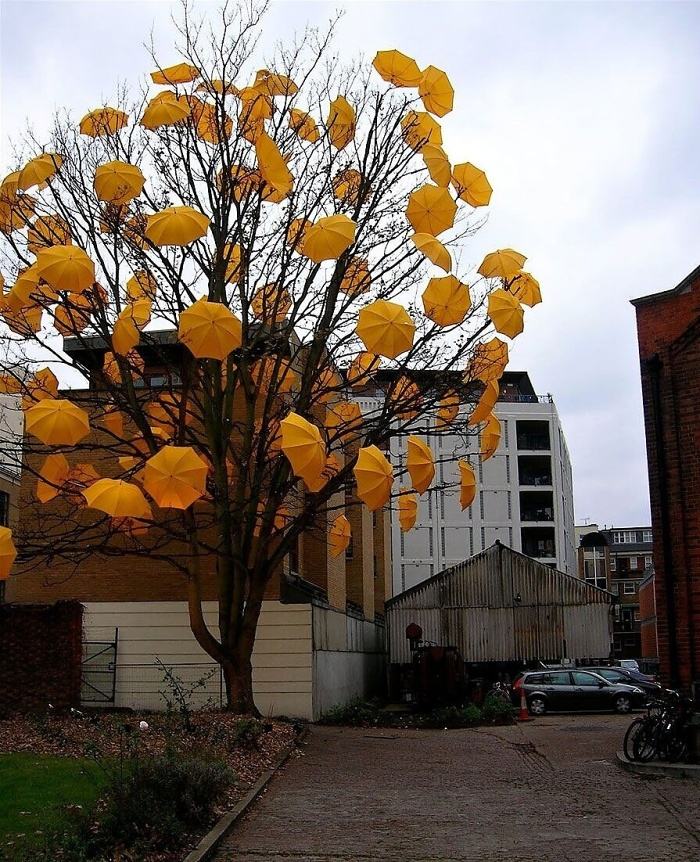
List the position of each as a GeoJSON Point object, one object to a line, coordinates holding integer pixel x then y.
{"type": "Point", "coordinates": [546, 791]}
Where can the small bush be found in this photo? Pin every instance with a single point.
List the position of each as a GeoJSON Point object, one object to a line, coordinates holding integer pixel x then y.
{"type": "Point", "coordinates": [247, 732]}
{"type": "Point", "coordinates": [497, 710]}
{"type": "Point", "coordinates": [450, 716]}
{"type": "Point", "coordinates": [356, 713]}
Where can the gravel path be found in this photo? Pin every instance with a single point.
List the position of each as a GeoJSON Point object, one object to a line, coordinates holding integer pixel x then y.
{"type": "Point", "coordinates": [547, 791]}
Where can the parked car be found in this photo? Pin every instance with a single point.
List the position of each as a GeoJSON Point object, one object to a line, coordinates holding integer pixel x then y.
{"type": "Point", "coordinates": [572, 690]}
{"type": "Point", "coordinates": [629, 677]}
{"type": "Point", "coordinates": [630, 664]}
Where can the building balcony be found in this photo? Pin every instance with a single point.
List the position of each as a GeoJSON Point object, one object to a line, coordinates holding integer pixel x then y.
{"type": "Point", "coordinates": [536, 506]}
{"type": "Point", "coordinates": [535, 470]}
{"type": "Point", "coordinates": [539, 542]}
{"type": "Point", "coordinates": [533, 435]}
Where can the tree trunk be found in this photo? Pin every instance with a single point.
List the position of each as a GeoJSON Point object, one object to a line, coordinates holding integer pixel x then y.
{"type": "Point", "coordinates": [238, 676]}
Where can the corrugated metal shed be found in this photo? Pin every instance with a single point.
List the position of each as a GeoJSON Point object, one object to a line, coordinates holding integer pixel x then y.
{"type": "Point", "coordinates": [473, 606]}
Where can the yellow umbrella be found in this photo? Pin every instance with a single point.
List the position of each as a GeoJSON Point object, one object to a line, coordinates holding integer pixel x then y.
{"type": "Point", "coordinates": [73, 314]}
{"type": "Point", "coordinates": [397, 68]}
{"type": "Point", "coordinates": [467, 484]}
{"type": "Point", "coordinates": [385, 328]}
{"type": "Point", "coordinates": [118, 182]}
{"type": "Point", "coordinates": [232, 256]}
{"type": "Point", "coordinates": [304, 448]}
{"type": "Point", "coordinates": [374, 476]}
{"type": "Point", "coordinates": [502, 263]}
{"type": "Point", "coordinates": [211, 125]}
{"type": "Point", "coordinates": [420, 129]}
{"type": "Point", "coordinates": [9, 187]}
{"type": "Point", "coordinates": [272, 165]}
{"type": "Point", "coordinates": [436, 91]}
{"type": "Point", "coordinates": [20, 295]}
{"type": "Point", "coordinates": [139, 310]}
{"type": "Point", "coordinates": [57, 422]}
{"type": "Point", "coordinates": [526, 289]}
{"type": "Point", "coordinates": [341, 123]}
{"type": "Point", "coordinates": [408, 511]}
{"type": "Point", "coordinates": [420, 464]}
{"type": "Point", "coordinates": [431, 210]}
{"type": "Point", "coordinates": [53, 474]}
{"type": "Point", "coordinates": [271, 303]}
{"type": "Point", "coordinates": [489, 360]}
{"type": "Point", "coordinates": [179, 225]}
{"type": "Point", "coordinates": [42, 385]}
{"type": "Point", "coordinates": [165, 109]}
{"type": "Point", "coordinates": [332, 468]}
{"type": "Point", "coordinates": [406, 398]}
{"type": "Point", "coordinates": [257, 105]}
{"type": "Point", "coordinates": [359, 372]}
{"type": "Point", "coordinates": [446, 300]}
{"type": "Point", "coordinates": [209, 330]}
{"type": "Point", "coordinates": [274, 84]}
{"type": "Point", "coordinates": [438, 165]}
{"type": "Point", "coordinates": [296, 233]}
{"type": "Point", "coordinates": [176, 477]}
{"type": "Point", "coordinates": [103, 121]}
{"type": "Point", "coordinates": [485, 404]}
{"type": "Point", "coordinates": [344, 414]}
{"type": "Point", "coordinates": [304, 125]}
{"type": "Point", "coordinates": [125, 335]}
{"type": "Point", "coordinates": [329, 238]}
{"type": "Point", "coordinates": [66, 267]}
{"type": "Point", "coordinates": [24, 321]}
{"type": "Point", "coordinates": [327, 385]}
{"type": "Point", "coordinates": [448, 410]}
{"type": "Point", "coordinates": [8, 552]}
{"type": "Point", "coordinates": [357, 278]}
{"type": "Point", "coordinates": [339, 536]}
{"type": "Point", "coordinates": [471, 184]}
{"type": "Point", "coordinates": [180, 73]}
{"type": "Point", "coordinates": [505, 312]}
{"type": "Point", "coordinates": [39, 170]}
{"type": "Point", "coordinates": [433, 249]}
{"type": "Point", "coordinates": [347, 185]}
{"type": "Point", "coordinates": [112, 371]}
{"type": "Point", "coordinates": [15, 215]}
{"type": "Point", "coordinates": [46, 231]}
{"type": "Point", "coordinates": [9, 384]}
{"type": "Point", "coordinates": [217, 86]}
{"type": "Point", "coordinates": [113, 420]}
{"type": "Point", "coordinates": [141, 284]}
{"type": "Point", "coordinates": [490, 437]}
{"type": "Point", "coordinates": [117, 498]}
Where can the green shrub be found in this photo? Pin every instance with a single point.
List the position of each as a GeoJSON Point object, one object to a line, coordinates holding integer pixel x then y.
{"type": "Point", "coordinates": [356, 713]}
{"type": "Point", "coordinates": [450, 716]}
{"type": "Point", "coordinates": [247, 733]}
{"type": "Point", "coordinates": [497, 710]}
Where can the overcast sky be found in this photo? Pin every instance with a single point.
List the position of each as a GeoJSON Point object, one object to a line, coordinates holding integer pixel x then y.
{"type": "Point", "coordinates": [586, 118]}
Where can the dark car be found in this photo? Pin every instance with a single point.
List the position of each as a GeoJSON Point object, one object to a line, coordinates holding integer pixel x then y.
{"type": "Point", "coordinates": [572, 690]}
{"type": "Point", "coordinates": [629, 677]}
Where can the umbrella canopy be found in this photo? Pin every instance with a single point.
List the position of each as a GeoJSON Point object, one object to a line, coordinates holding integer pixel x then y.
{"type": "Point", "coordinates": [180, 73]}
{"type": "Point", "coordinates": [436, 91]}
{"type": "Point", "coordinates": [8, 552]}
{"type": "Point", "coordinates": [232, 256]}
{"type": "Point", "coordinates": [304, 125]}
{"type": "Point", "coordinates": [53, 474]}
{"type": "Point", "coordinates": [72, 315]}
{"type": "Point", "coordinates": [329, 238]}
{"type": "Point", "coordinates": [125, 335]}
{"type": "Point", "coordinates": [431, 210]}
{"type": "Point", "coordinates": [117, 498]}
{"type": "Point", "coordinates": [271, 303]}
{"type": "Point", "coordinates": [15, 214]}
{"type": "Point", "coordinates": [9, 187]}
{"type": "Point", "coordinates": [113, 420]}
{"type": "Point", "coordinates": [359, 372]}
{"type": "Point", "coordinates": [42, 385]}
{"type": "Point", "coordinates": [433, 249]}
{"type": "Point", "coordinates": [176, 226]}
{"type": "Point", "coordinates": [408, 511]}
{"type": "Point", "coordinates": [176, 477]}
{"type": "Point", "coordinates": [420, 463]}
{"type": "Point", "coordinates": [341, 123]}
{"type": "Point", "coordinates": [339, 535]}
{"type": "Point", "coordinates": [103, 121]}
{"type": "Point", "coordinates": [374, 476]}
{"type": "Point", "coordinates": [57, 422]}
{"type": "Point", "coordinates": [526, 289]}
{"type": "Point", "coordinates": [485, 404]}
{"type": "Point", "coordinates": [209, 330]}
{"type": "Point", "coordinates": [448, 410]}
{"type": "Point", "coordinates": [274, 84]}
{"type": "Point", "coordinates": [46, 231]}
{"type": "Point", "coordinates": [165, 109]}
{"type": "Point", "coordinates": [211, 124]}
{"type": "Point", "coordinates": [405, 397]}
{"type": "Point", "coordinates": [66, 267]}
{"type": "Point", "coordinates": [420, 129]}
{"type": "Point", "coordinates": [471, 184]}
{"type": "Point", "coordinates": [385, 328]}
{"type": "Point", "coordinates": [139, 311]}
{"type": "Point", "coordinates": [344, 415]}
{"type": "Point", "coordinates": [257, 104]}
{"type": "Point", "coordinates": [357, 278]}
{"type": "Point", "coordinates": [217, 86]}
{"type": "Point", "coordinates": [272, 165]}
{"type": "Point", "coordinates": [438, 165]}
{"type": "Point", "coordinates": [505, 312]}
{"type": "Point", "coordinates": [305, 450]}
{"type": "Point", "coordinates": [397, 68]}
{"type": "Point", "coordinates": [38, 170]}
{"type": "Point", "coordinates": [467, 484]}
{"type": "Point", "coordinates": [141, 284]}
{"type": "Point", "coordinates": [347, 185]}
{"type": "Point", "coordinates": [502, 263]}
{"type": "Point", "coordinates": [446, 300]}
{"type": "Point", "coordinates": [489, 360]}
{"type": "Point", "coordinates": [118, 182]}
{"type": "Point", "coordinates": [490, 437]}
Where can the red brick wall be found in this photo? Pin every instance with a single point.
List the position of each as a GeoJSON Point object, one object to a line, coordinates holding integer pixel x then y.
{"type": "Point", "coordinates": [647, 615]}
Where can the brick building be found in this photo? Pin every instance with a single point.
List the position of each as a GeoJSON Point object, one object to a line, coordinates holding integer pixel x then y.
{"type": "Point", "coordinates": [668, 329]}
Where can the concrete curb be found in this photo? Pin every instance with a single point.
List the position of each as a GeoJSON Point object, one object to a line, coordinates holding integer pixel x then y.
{"type": "Point", "coordinates": [208, 845]}
{"type": "Point", "coordinates": [658, 769]}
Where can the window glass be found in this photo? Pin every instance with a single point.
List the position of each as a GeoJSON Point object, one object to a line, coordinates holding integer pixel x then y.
{"type": "Point", "coordinates": [612, 675]}
{"type": "Point", "coordinates": [583, 678]}
{"type": "Point", "coordinates": [630, 588]}
{"type": "Point", "coordinates": [560, 678]}
{"type": "Point", "coordinates": [647, 536]}
{"type": "Point", "coordinates": [535, 679]}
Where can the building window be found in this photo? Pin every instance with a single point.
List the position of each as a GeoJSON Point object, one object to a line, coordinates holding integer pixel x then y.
{"type": "Point", "coordinates": [630, 588]}
{"type": "Point", "coordinates": [648, 562]}
{"type": "Point", "coordinates": [612, 564]}
{"type": "Point", "coordinates": [4, 508]}
{"type": "Point", "coordinates": [615, 589]}
{"type": "Point", "coordinates": [646, 536]}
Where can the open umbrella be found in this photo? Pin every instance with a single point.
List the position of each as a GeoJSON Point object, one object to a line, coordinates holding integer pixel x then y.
{"type": "Point", "coordinates": [344, 417]}
{"type": "Point", "coordinates": [41, 385]}
{"type": "Point", "coordinates": [66, 267]}
{"type": "Point", "coordinates": [341, 123]}
{"type": "Point", "coordinates": [433, 249]}
{"type": "Point", "coordinates": [347, 185]}
{"type": "Point", "coordinates": [46, 231]}
{"type": "Point", "coordinates": [103, 121]}
{"type": "Point", "coordinates": [305, 450]}
{"type": "Point", "coordinates": [304, 125]}
{"type": "Point", "coordinates": [431, 210]}
{"type": "Point", "coordinates": [9, 187]}
{"type": "Point", "coordinates": [72, 315]}
{"type": "Point", "coordinates": [502, 263]}
{"type": "Point", "coordinates": [38, 170]}
{"type": "Point", "coordinates": [327, 385]}
{"type": "Point", "coordinates": [125, 335]}
{"type": "Point", "coordinates": [141, 284]}
{"type": "Point", "coordinates": [467, 484]}
{"type": "Point", "coordinates": [118, 182]}
{"type": "Point", "coordinates": [438, 165]}
{"type": "Point", "coordinates": [339, 535]}
{"type": "Point", "coordinates": [420, 129]}
{"type": "Point", "coordinates": [329, 238]}
{"type": "Point", "coordinates": [256, 105]}
{"type": "Point", "coordinates": [505, 312]}
{"type": "Point", "coordinates": [359, 372]}
{"type": "Point", "coordinates": [217, 87]}
{"type": "Point", "coordinates": [209, 330]}
{"type": "Point", "coordinates": [271, 303]}
{"type": "Point", "coordinates": [385, 328]}
{"type": "Point", "coordinates": [526, 289]}
{"type": "Point", "coordinates": [446, 300]}
{"type": "Point", "coordinates": [408, 510]}
{"type": "Point", "coordinates": [134, 362]}
{"type": "Point", "coordinates": [471, 184]}
{"type": "Point", "coordinates": [490, 437]}
{"type": "Point", "coordinates": [113, 421]}
{"type": "Point", "coordinates": [180, 73]}
{"type": "Point", "coordinates": [436, 91]}
{"type": "Point", "coordinates": [139, 311]}
{"type": "Point", "coordinates": [485, 404]}
{"type": "Point", "coordinates": [57, 422]}
{"type": "Point", "coordinates": [8, 552]}
{"type": "Point", "coordinates": [232, 256]}
{"type": "Point", "coordinates": [15, 214]}
{"type": "Point", "coordinates": [397, 68]}
{"type": "Point", "coordinates": [165, 109]}
{"type": "Point", "coordinates": [53, 475]}
{"type": "Point", "coordinates": [275, 84]}
{"type": "Point", "coordinates": [272, 165]}
{"type": "Point", "coordinates": [489, 361]}
{"type": "Point", "coordinates": [211, 125]}
{"type": "Point", "coordinates": [357, 278]}
{"type": "Point", "coordinates": [448, 410]}
{"type": "Point", "coordinates": [179, 225]}
{"type": "Point", "coordinates": [176, 477]}
{"type": "Point", "coordinates": [405, 397]}
{"type": "Point", "coordinates": [117, 498]}
{"type": "Point", "coordinates": [420, 464]}
{"type": "Point", "coordinates": [374, 476]}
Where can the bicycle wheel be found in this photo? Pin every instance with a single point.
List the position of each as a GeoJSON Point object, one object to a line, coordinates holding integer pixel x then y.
{"type": "Point", "coordinates": [645, 744]}
{"type": "Point", "coordinates": [630, 738]}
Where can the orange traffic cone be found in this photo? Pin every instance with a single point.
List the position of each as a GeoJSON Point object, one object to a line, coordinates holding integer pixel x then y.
{"type": "Point", "coordinates": [523, 714]}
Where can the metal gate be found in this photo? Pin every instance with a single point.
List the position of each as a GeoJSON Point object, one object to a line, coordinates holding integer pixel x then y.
{"type": "Point", "coordinates": [99, 672]}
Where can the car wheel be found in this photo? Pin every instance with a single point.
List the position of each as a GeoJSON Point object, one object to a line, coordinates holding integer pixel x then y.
{"type": "Point", "coordinates": [623, 704]}
{"type": "Point", "coordinates": [537, 705]}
